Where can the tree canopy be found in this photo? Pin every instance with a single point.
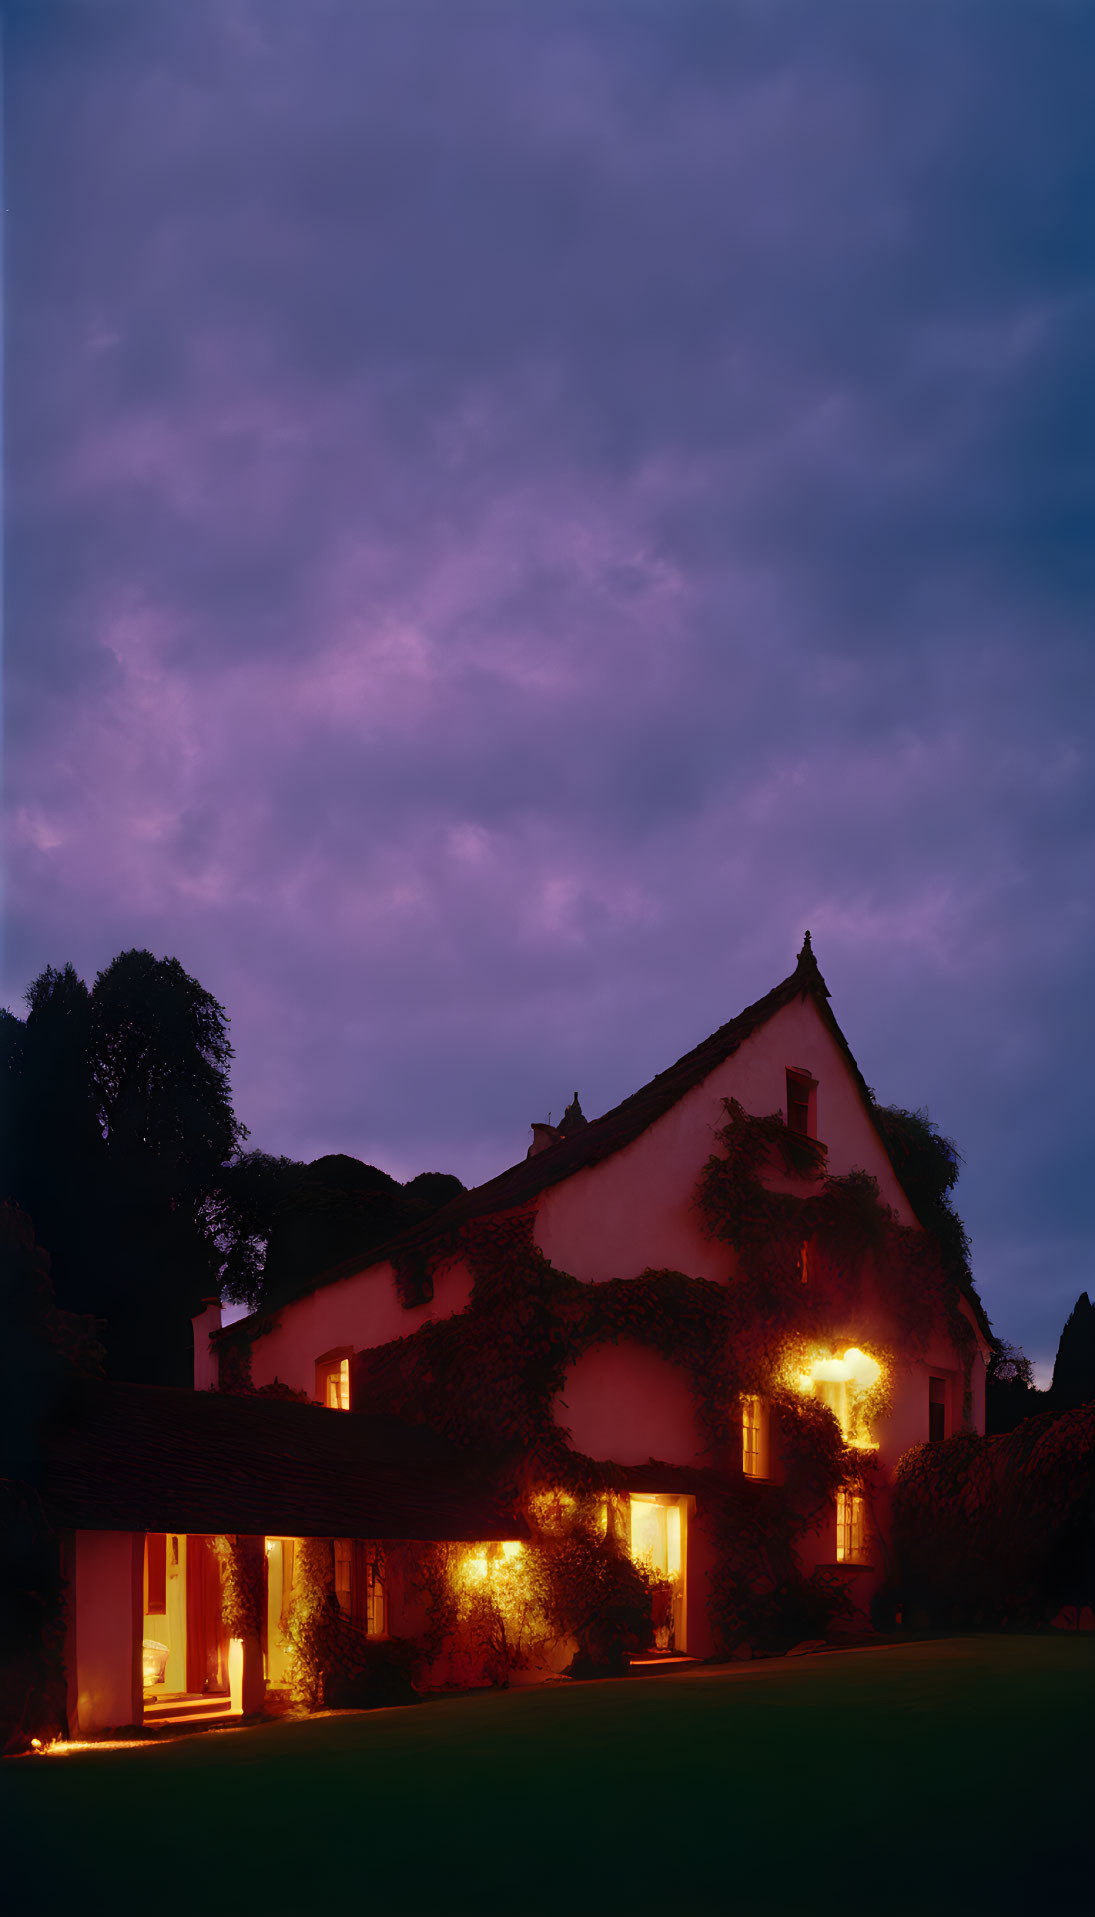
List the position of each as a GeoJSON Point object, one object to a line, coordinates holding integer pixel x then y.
{"type": "Point", "coordinates": [120, 1141]}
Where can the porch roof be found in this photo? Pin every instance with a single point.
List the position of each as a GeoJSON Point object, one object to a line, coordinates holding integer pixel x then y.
{"type": "Point", "coordinates": [128, 1457]}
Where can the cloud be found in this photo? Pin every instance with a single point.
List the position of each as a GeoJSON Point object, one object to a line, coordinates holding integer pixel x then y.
{"type": "Point", "coordinates": [512, 516]}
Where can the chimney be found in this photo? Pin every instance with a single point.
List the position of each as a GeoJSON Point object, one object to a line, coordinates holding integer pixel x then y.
{"type": "Point", "coordinates": [543, 1138]}
{"type": "Point", "coordinates": [207, 1369]}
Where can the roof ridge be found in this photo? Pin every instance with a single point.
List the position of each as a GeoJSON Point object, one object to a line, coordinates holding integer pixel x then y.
{"type": "Point", "coordinates": [519, 1183]}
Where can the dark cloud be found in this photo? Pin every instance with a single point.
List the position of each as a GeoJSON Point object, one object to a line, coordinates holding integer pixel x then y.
{"type": "Point", "coordinates": [513, 512]}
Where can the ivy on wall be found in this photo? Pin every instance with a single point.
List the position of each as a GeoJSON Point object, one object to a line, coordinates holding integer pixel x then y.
{"type": "Point", "coordinates": [814, 1261]}
{"type": "Point", "coordinates": [488, 1377]}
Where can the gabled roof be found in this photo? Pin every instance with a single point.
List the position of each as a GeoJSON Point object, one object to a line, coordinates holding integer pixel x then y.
{"type": "Point", "coordinates": [600, 1138]}
{"type": "Point", "coordinates": [127, 1457]}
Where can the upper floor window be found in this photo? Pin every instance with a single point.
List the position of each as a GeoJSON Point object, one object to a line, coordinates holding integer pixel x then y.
{"type": "Point", "coordinates": [333, 1381]}
{"type": "Point", "coordinates": [845, 1385]}
{"type": "Point", "coordinates": [801, 1103]}
{"type": "Point", "coordinates": [937, 1408]}
{"type": "Point", "coordinates": [754, 1436]}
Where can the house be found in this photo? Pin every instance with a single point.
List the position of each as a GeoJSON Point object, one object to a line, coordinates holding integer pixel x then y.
{"type": "Point", "coordinates": [706, 1325]}
{"type": "Point", "coordinates": [166, 1503]}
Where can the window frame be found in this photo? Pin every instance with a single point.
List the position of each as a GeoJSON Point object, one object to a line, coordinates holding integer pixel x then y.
{"type": "Point", "coordinates": [854, 1522]}
{"type": "Point", "coordinates": [805, 1084]}
{"type": "Point", "coordinates": [758, 1427]}
{"type": "Point", "coordinates": [334, 1367]}
{"type": "Point", "coordinates": [938, 1401]}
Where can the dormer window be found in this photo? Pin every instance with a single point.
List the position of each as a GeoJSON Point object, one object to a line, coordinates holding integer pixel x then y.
{"type": "Point", "coordinates": [801, 1103]}
{"type": "Point", "coordinates": [333, 1380]}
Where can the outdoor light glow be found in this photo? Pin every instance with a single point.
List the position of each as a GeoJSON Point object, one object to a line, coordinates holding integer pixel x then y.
{"type": "Point", "coordinates": [841, 1383]}
{"type": "Point", "coordinates": [512, 1548]}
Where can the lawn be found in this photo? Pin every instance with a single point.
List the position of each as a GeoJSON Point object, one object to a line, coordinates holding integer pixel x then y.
{"type": "Point", "coordinates": [950, 1776]}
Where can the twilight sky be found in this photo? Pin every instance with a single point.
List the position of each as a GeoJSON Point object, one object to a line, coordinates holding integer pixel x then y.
{"type": "Point", "coordinates": [514, 510]}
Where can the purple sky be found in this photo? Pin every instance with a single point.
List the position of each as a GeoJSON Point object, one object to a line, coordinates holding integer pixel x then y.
{"type": "Point", "coordinates": [514, 511]}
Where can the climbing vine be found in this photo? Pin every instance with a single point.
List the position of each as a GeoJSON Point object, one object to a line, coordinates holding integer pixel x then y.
{"type": "Point", "coordinates": [816, 1261]}
{"type": "Point", "coordinates": [243, 1584]}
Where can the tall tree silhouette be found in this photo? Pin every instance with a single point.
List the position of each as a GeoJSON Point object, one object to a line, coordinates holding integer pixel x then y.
{"type": "Point", "coordinates": [120, 1141]}
{"type": "Point", "coordinates": [1074, 1366]}
{"type": "Point", "coordinates": [122, 1121]}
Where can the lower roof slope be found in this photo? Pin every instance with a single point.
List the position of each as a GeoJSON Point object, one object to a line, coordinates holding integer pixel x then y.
{"type": "Point", "coordinates": [127, 1457]}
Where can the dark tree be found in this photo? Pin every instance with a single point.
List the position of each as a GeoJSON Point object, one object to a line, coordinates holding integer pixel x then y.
{"type": "Point", "coordinates": [42, 1348]}
{"type": "Point", "coordinates": [120, 1118]}
{"type": "Point", "coordinates": [121, 1143]}
{"type": "Point", "coordinates": [927, 1166]}
{"type": "Point", "coordinates": [1074, 1367]}
{"type": "Point", "coordinates": [340, 1211]}
{"type": "Point", "coordinates": [243, 1212]}
{"type": "Point", "coordinates": [1010, 1392]}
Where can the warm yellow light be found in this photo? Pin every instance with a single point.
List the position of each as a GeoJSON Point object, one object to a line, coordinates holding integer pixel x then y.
{"type": "Point", "coordinates": [841, 1382]}
{"type": "Point", "coordinates": [477, 1568]}
{"type": "Point", "coordinates": [673, 1540]}
{"type": "Point", "coordinates": [512, 1548]}
{"type": "Point", "coordinates": [866, 1371]}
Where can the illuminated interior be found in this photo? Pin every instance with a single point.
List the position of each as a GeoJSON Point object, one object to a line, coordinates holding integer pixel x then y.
{"type": "Point", "coordinates": [336, 1394]}
{"type": "Point", "coordinates": [754, 1436]}
{"type": "Point", "coordinates": [657, 1543]}
{"type": "Point", "coordinates": [852, 1535]}
{"type": "Point", "coordinates": [485, 1562]}
{"type": "Point", "coordinates": [843, 1383]}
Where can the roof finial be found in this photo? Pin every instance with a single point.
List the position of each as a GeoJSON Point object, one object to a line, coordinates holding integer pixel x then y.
{"type": "Point", "coordinates": [806, 968]}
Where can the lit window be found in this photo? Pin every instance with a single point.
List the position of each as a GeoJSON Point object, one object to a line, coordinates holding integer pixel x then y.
{"type": "Point", "coordinates": [801, 1103]}
{"type": "Point", "coordinates": [842, 1384]}
{"type": "Point", "coordinates": [754, 1436]}
{"type": "Point", "coordinates": [851, 1528]}
{"type": "Point", "coordinates": [333, 1383]}
{"type": "Point", "coordinates": [937, 1409]}
{"type": "Point", "coordinates": [656, 1534]}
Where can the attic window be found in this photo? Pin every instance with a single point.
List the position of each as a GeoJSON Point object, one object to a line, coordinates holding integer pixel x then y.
{"type": "Point", "coordinates": [801, 1103]}
{"type": "Point", "coordinates": [333, 1381]}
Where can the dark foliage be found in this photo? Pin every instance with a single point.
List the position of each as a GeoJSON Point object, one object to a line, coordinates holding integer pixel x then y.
{"type": "Point", "coordinates": [41, 1349]}
{"type": "Point", "coordinates": [1074, 1368]}
{"type": "Point", "coordinates": [999, 1531]}
{"type": "Point", "coordinates": [121, 1116]}
{"type": "Point", "coordinates": [336, 1210]}
{"type": "Point", "coordinates": [120, 1140]}
{"type": "Point", "coordinates": [1010, 1392]}
{"type": "Point", "coordinates": [928, 1166]}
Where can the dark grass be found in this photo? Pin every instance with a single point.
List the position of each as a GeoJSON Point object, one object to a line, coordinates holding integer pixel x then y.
{"type": "Point", "coordinates": [941, 1777]}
